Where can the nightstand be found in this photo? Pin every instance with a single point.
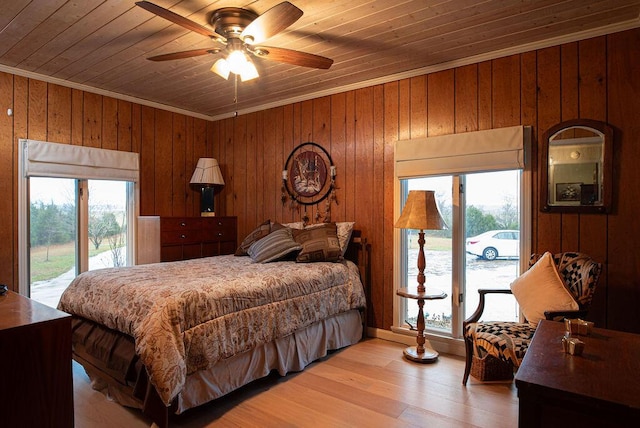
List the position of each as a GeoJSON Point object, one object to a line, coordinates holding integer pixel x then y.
{"type": "Point", "coordinates": [35, 347]}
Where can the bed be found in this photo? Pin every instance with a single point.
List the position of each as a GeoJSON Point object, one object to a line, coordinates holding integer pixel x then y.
{"type": "Point", "coordinates": [167, 337]}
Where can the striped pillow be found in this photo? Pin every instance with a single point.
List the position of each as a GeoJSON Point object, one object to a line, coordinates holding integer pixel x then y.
{"type": "Point", "coordinates": [258, 233]}
{"type": "Point", "coordinates": [274, 246]}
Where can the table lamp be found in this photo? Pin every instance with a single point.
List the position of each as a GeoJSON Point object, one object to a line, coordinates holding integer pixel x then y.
{"type": "Point", "coordinates": [420, 212]}
{"type": "Point", "coordinates": [208, 177]}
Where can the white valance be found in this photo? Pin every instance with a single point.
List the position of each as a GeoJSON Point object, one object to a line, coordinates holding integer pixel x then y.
{"type": "Point", "coordinates": [68, 161]}
{"type": "Point", "coordinates": [490, 150]}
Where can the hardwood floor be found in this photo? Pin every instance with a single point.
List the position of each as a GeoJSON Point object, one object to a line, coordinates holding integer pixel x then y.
{"type": "Point", "coordinates": [369, 384]}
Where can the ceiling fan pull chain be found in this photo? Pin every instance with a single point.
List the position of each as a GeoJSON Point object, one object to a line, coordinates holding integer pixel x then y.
{"type": "Point", "coordinates": [235, 93]}
{"type": "Point", "coordinates": [235, 89]}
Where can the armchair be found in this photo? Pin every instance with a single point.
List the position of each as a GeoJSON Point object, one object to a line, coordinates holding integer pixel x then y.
{"type": "Point", "coordinates": [495, 349]}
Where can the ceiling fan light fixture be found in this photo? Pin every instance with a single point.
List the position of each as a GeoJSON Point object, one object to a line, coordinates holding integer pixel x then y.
{"type": "Point", "coordinates": [238, 29]}
{"type": "Point", "coordinates": [249, 72]}
{"type": "Point", "coordinates": [237, 61]}
{"type": "Point", "coordinates": [221, 68]}
{"type": "Point", "coordinates": [244, 68]}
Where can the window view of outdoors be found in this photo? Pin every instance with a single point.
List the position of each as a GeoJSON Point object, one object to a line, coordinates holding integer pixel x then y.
{"type": "Point", "coordinates": [107, 224]}
{"type": "Point", "coordinates": [438, 257]}
{"type": "Point", "coordinates": [53, 230]}
{"type": "Point", "coordinates": [491, 259]}
{"type": "Point", "coordinates": [492, 241]}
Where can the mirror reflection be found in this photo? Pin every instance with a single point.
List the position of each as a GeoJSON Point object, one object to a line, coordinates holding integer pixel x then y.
{"type": "Point", "coordinates": [577, 167]}
{"type": "Point", "coordinates": [576, 156]}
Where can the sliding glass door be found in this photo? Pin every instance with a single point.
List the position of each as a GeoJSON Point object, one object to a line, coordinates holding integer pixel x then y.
{"type": "Point", "coordinates": [74, 225]}
{"type": "Point", "coordinates": [52, 237]}
{"type": "Point", "coordinates": [107, 224]}
{"type": "Point", "coordinates": [482, 211]}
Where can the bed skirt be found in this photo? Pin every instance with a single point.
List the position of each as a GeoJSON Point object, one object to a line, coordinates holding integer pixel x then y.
{"type": "Point", "coordinates": [124, 381]}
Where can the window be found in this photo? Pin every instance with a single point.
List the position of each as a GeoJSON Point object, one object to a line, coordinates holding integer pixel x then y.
{"type": "Point", "coordinates": [80, 203]}
{"type": "Point", "coordinates": [483, 200]}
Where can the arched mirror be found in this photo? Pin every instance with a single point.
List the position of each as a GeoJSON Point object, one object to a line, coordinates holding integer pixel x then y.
{"type": "Point", "coordinates": [577, 167]}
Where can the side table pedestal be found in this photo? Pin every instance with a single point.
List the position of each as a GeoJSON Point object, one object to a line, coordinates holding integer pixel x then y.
{"type": "Point", "coordinates": [419, 353]}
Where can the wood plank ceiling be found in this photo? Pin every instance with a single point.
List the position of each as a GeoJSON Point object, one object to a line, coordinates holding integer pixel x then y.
{"type": "Point", "coordinates": [103, 44]}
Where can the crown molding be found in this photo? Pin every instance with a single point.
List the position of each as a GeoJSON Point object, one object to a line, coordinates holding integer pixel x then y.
{"type": "Point", "coordinates": [98, 91]}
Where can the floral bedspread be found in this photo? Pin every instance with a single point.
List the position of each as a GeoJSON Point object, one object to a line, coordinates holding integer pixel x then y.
{"type": "Point", "coordinates": [186, 315]}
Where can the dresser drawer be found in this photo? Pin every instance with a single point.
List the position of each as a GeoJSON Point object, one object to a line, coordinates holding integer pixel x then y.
{"type": "Point", "coordinates": [219, 223]}
{"type": "Point", "coordinates": [184, 238]}
{"type": "Point", "coordinates": [220, 228]}
{"type": "Point", "coordinates": [180, 223]}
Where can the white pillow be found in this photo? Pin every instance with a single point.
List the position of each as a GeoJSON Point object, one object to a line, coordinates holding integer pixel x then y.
{"type": "Point", "coordinates": [295, 225]}
{"type": "Point", "coordinates": [345, 228]}
{"type": "Point", "coordinates": [541, 289]}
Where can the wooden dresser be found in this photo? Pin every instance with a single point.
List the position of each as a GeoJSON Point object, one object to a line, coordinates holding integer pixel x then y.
{"type": "Point", "coordinates": [183, 238]}
{"type": "Point", "coordinates": [35, 350]}
{"type": "Point", "coordinates": [600, 388]}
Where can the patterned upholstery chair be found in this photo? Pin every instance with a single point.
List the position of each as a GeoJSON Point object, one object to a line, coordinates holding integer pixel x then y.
{"type": "Point", "coordinates": [495, 349]}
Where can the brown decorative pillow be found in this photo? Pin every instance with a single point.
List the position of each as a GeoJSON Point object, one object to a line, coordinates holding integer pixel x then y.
{"type": "Point", "coordinates": [345, 228]}
{"type": "Point", "coordinates": [260, 232]}
{"type": "Point", "coordinates": [319, 244]}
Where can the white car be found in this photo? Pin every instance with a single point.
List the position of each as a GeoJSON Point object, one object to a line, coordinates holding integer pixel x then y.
{"type": "Point", "coordinates": [495, 243]}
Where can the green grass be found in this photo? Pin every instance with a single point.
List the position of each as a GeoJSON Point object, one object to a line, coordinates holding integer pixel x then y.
{"type": "Point", "coordinates": [61, 259]}
{"type": "Point", "coordinates": [437, 244]}
{"type": "Point", "coordinates": [432, 243]}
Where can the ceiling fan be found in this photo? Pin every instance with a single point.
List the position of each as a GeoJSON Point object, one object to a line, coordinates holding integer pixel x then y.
{"type": "Point", "coordinates": [240, 31]}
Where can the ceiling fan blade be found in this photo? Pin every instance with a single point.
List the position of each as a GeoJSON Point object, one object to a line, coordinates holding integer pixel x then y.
{"type": "Point", "coordinates": [292, 57]}
{"type": "Point", "coordinates": [183, 54]}
{"type": "Point", "coordinates": [177, 19]}
{"type": "Point", "coordinates": [271, 23]}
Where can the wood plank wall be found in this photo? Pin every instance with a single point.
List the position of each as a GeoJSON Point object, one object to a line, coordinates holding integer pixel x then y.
{"type": "Point", "coordinates": [169, 145]}
{"type": "Point", "coordinates": [595, 78]}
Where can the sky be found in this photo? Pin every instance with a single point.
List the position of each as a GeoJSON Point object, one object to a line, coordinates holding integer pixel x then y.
{"type": "Point", "coordinates": [488, 189]}
{"type": "Point", "coordinates": [483, 189]}
{"type": "Point", "coordinates": [61, 191]}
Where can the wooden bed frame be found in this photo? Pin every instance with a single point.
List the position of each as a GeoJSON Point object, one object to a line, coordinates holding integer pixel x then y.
{"type": "Point", "coordinates": [143, 394]}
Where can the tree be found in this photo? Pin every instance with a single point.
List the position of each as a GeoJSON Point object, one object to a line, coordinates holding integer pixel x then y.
{"type": "Point", "coordinates": [50, 224]}
{"type": "Point", "coordinates": [444, 205]}
{"type": "Point", "coordinates": [116, 245]}
{"type": "Point", "coordinates": [508, 215]}
{"type": "Point", "coordinates": [478, 222]}
{"type": "Point", "coordinates": [102, 227]}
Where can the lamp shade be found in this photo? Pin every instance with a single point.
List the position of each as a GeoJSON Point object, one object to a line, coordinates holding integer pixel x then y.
{"type": "Point", "coordinates": [207, 173]}
{"type": "Point", "coordinates": [421, 212]}
{"type": "Point", "coordinates": [221, 68]}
